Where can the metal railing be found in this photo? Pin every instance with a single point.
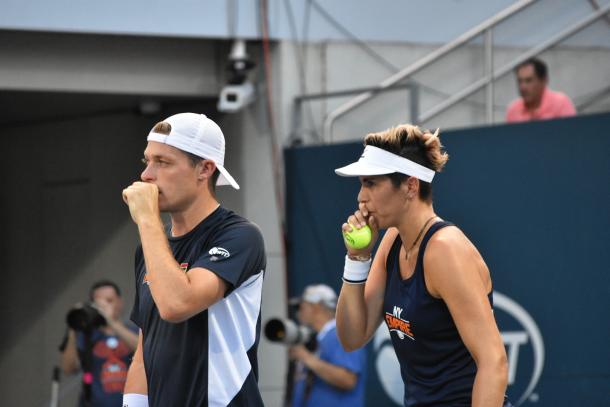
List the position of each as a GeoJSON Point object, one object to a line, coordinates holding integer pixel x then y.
{"type": "Point", "coordinates": [490, 76]}
{"type": "Point", "coordinates": [488, 80]}
{"type": "Point", "coordinates": [297, 119]}
{"type": "Point", "coordinates": [425, 61]}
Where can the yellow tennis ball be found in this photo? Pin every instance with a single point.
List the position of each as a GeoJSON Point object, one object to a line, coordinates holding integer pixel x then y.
{"type": "Point", "coordinates": [358, 238]}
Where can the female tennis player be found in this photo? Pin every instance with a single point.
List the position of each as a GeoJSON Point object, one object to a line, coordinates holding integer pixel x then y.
{"type": "Point", "coordinates": [427, 281]}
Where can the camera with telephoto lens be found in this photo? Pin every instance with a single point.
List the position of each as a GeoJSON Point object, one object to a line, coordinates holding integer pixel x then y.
{"type": "Point", "coordinates": [85, 317]}
{"type": "Point", "coordinates": [288, 332]}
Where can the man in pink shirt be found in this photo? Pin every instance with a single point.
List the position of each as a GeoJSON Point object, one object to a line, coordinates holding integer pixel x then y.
{"type": "Point", "coordinates": [537, 102]}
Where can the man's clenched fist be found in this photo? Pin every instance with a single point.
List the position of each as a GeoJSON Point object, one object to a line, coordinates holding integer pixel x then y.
{"type": "Point", "coordinates": [143, 201]}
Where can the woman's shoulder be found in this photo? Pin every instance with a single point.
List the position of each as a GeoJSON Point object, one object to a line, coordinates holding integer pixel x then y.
{"type": "Point", "coordinates": [448, 261]}
{"type": "Point", "coordinates": [448, 235]}
{"type": "Point", "coordinates": [449, 250]}
{"type": "Point", "coordinates": [446, 247]}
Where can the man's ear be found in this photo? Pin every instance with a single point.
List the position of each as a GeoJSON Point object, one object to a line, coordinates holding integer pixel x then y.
{"type": "Point", "coordinates": [206, 169]}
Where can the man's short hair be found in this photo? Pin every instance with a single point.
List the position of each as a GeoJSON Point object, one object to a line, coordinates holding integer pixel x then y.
{"type": "Point", "coordinates": [540, 67]}
{"type": "Point", "coordinates": [104, 283]}
{"type": "Point", "coordinates": [194, 160]}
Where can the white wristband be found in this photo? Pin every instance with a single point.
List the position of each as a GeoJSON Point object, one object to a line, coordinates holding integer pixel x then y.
{"type": "Point", "coordinates": [135, 400]}
{"type": "Point", "coordinates": [356, 272]}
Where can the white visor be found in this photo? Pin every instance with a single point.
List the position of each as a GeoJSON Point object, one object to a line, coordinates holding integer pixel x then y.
{"type": "Point", "coordinates": [377, 161]}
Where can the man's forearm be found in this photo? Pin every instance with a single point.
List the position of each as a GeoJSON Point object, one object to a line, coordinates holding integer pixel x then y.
{"type": "Point", "coordinates": [169, 285]}
{"type": "Point", "coordinates": [69, 357]}
{"type": "Point", "coordinates": [332, 374]}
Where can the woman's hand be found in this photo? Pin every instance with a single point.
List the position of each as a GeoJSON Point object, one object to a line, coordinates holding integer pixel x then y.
{"type": "Point", "coordinates": [358, 220]}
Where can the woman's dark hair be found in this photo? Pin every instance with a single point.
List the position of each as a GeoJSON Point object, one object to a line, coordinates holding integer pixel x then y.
{"type": "Point", "coordinates": [410, 142]}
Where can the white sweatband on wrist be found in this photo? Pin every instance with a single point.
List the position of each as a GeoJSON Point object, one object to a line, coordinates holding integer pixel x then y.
{"type": "Point", "coordinates": [356, 272]}
{"type": "Point", "coordinates": [135, 400]}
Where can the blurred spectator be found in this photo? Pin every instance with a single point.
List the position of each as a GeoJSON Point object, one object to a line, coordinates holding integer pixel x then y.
{"type": "Point", "coordinates": [330, 376]}
{"type": "Point", "coordinates": [112, 347]}
{"type": "Point", "coordinates": [537, 101]}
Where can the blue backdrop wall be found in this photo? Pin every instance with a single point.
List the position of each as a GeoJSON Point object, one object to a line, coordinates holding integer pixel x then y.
{"type": "Point", "coordinates": [535, 200]}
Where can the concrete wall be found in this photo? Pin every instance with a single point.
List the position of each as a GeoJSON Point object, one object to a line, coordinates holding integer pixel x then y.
{"type": "Point", "coordinates": [65, 227]}
{"type": "Point", "coordinates": [111, 64]}
{"type": "Point", "coordinates": [218, 18]}
{"type": "Point", "coordinates": [419, 21]}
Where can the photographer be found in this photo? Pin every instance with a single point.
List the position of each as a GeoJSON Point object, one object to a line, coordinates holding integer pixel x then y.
{"type": "Point", "coordinates": [330, 376]}
{"type": "Point", "coordinates": [111, 345]}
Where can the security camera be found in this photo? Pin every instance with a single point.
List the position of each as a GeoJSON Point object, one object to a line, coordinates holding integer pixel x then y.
{"type": "Point", "coordinates": [238, 92]}
{"type": "Point", "coordinates": [235, 97]}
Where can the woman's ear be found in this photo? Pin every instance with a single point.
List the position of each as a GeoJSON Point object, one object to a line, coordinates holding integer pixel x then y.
{"type": "Point", "coordinates": [411, 186]}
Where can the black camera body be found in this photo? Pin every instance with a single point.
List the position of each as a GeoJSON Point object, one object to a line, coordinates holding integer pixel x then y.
{"type": "Point", "coordinates": [84, 317]}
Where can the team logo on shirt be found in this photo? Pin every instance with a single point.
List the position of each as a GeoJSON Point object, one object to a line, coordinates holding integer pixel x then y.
{"type": "Point", "coordinates": [113, 372]}
{"type": "Point", "coordinates": [397, 324]}
{"type": "Point", "coordinates": [218, 253]}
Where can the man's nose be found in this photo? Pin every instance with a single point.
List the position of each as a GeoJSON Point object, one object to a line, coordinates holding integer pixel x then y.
{"type": "Point", "coordinates": [148, 174]}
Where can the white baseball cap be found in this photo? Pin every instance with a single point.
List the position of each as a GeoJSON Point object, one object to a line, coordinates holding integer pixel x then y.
{"type": "Point", "coordinates": [197, 134]}
{"type": "Point", "coordinates": [320, 294]}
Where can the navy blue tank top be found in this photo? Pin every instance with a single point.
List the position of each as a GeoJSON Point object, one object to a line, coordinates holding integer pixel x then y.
{"type": "Point", "coordinates": [435, 365]}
